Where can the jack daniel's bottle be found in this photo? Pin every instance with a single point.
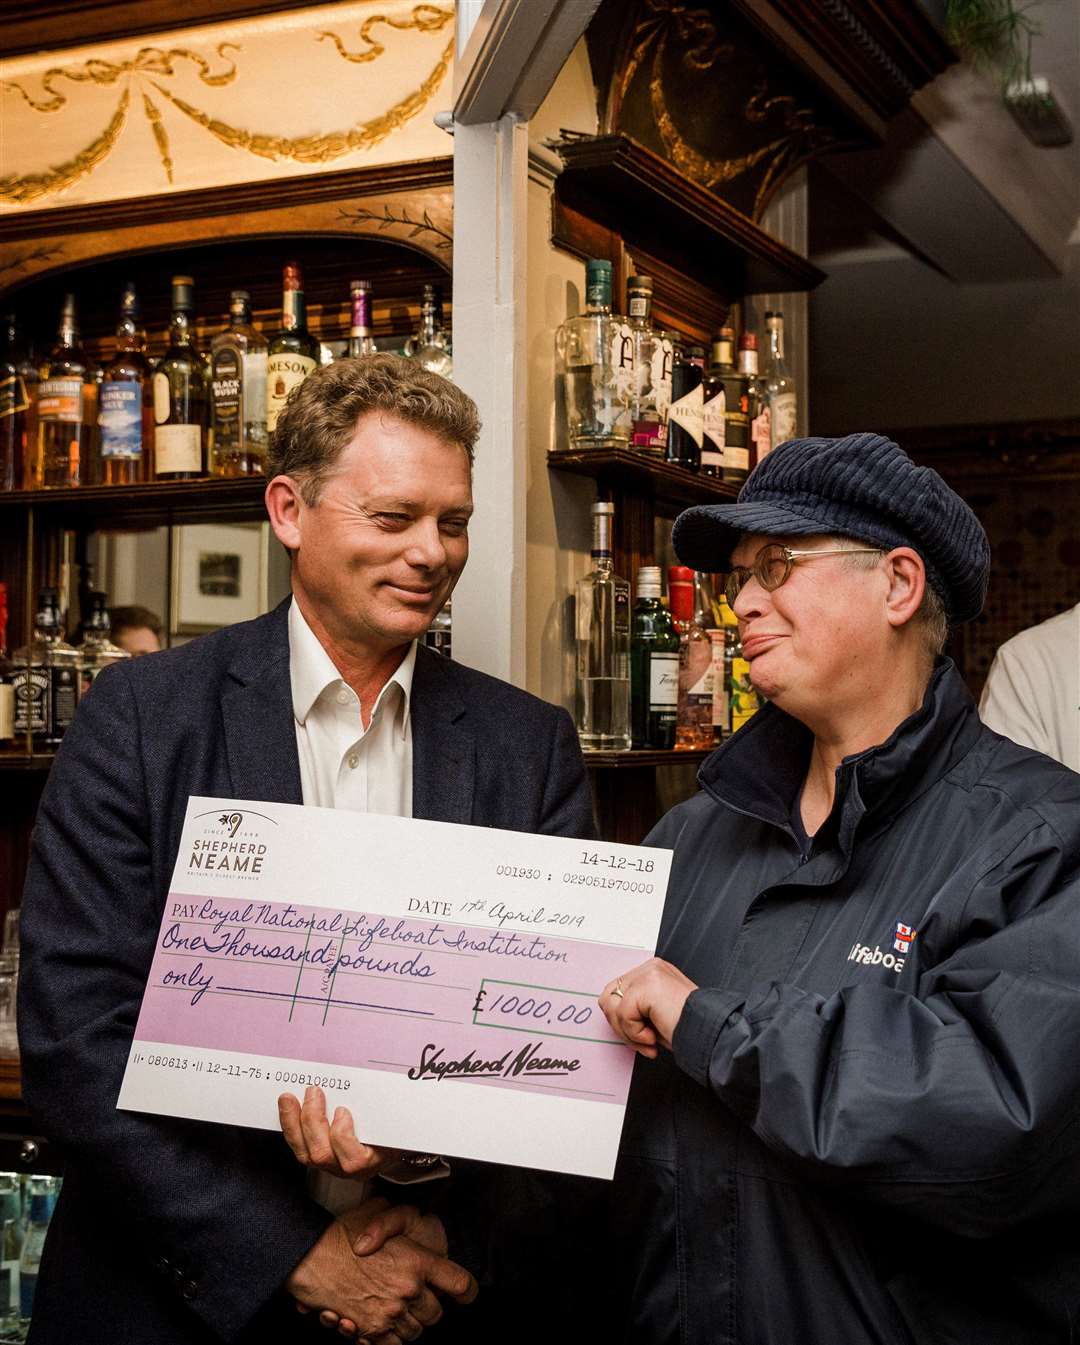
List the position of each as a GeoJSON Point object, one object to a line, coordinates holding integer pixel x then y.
{"type": "Point", "coordinates": [46, 677]}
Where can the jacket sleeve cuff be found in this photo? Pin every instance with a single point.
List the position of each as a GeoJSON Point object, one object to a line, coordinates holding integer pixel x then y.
{"type": "Point", "coordinates": [698, 1031]}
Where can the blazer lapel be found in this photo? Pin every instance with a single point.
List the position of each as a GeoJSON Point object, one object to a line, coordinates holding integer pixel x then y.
{"type": "Point", "coordinates": [444, 751]}
{"type": "Point", "coordinates": [260, 735]}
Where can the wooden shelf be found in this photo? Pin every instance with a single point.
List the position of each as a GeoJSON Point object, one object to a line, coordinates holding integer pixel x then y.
{"type": "Point", "coordinates": [148, 504]}
{"type": "Point", "coordinates": [641, 758]}
{"type": "Point", "coordinates": [618, 183]}
{"type": "Point", "coordinates": [663, 481]}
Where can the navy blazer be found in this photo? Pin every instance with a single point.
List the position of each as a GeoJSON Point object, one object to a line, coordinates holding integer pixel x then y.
{"type": "Point", "coordinates": [173, 1232]}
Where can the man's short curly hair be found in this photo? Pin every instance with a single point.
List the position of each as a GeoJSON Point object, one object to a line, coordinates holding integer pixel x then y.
{"type": "Point", "coordinates": [321, 414]}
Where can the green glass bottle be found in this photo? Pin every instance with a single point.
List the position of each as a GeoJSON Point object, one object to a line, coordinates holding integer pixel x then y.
{"type": "Point", "coordinates": [654, 666]}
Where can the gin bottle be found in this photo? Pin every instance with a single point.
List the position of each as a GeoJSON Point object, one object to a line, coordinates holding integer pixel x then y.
{"type": "Point", "coordinates": [686, 414]}
{"type": "Point", "coordinates": [361, 341]}
{"type": "Point", "coordinates": [654, 665]}
{"type": "Point", "coordinates": [603, 647]}
{"type": "Point", "coordinates": [594, 357]}
{"type": "Point", "coordinates": [780, 386]}
{"type": "Point", "coordinates": [652, 371]}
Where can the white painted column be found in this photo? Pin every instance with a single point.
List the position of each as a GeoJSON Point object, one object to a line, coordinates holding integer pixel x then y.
{"type": "Point", "coordinates": [490, 187]}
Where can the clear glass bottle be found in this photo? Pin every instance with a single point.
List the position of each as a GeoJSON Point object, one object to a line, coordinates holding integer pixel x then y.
{"type": "Point", "coordinates": [603, 646]}
{"type": "Point", "coordinates": [780, 386]}
{"type": "Point", "coordinates": [97, 651]}
{"type": "Point", "coordinates": [652, 353]}
{"type": "Point", "coordinates": [686, 412]}
{"type": "Point", "coordinates": [11, 1245]}
{"type": "Point", "coordinates": [438, 634]}
{"type": "Point", "coordinates": [238, 372]}
{"type": "Point", "coordinates": [65, 394]}
{"type": "Point", "coordinates": [180, 411]}
{"type": "Point", "coordinates": [361, 341]}
{"type": "Point", "coordinates": [294, 352]}
{"type": "Point", "coordinates": [654, 666]}
{"type": "Point", "coordinates": [594, 360]}
{"type": "Point", "coordinates": [126, 402]}
{"type": "Point", "coordinates": [33, 1244]}
{"type": "Point", "coordinates": [430, 346]}
{"type": "Point", "coordinates": [14, 405]}
{"type": "Point", "coordinates": [694, 728]}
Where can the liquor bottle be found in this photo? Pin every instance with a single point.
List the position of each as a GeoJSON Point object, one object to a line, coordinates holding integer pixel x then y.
{"type": "Point", "coordinates": [180, 395]}
{"type": "Point", "coordinates": [594, 360]}
{"type": "Point", "coordinates": [438, 634]}
{"type": "Point", "coordinates": [97, 651]}
{"type": "Point", "coordinates": [654, 666]}
{"type": "Point", "coordinates": [14, 405]}
{"type": "Point", "coordinates": [33, 1245]}
{"type": "Point", "coordinates": [603, 646]}
{"type": "Point", "coordinates": [743, 699]}
{"type": "Point", "coordinates": [725, 647]}
{"type": "Point", "coordinates": [430, 346]}
{"type": "Point", "coordinates": [717, 386]}
{"type": "Point", "coordinates": [126, 402]}
{"type": "Point", "coordinates": [757, 399]}
{"type": "Point", "coordinates": [652, 354]}
{"type": "Point", "coordinates": [46, 677]}
{"type": "Point", "coordinates": [694, 728]}
{"type": "Point", "coordinates": [294, 352]}
{"type": "Point", "coordinates": [780, 386]}
{"type": "Point", "coordinates": [63, 430]}
{"type": "Point", "coordinates": [238, 376]}
{"type": "Point", "coordinates": [11, 1219]}
{"type": "Point", "coordinates": [361, 341]}
{"type": "Point", "coordinates": [7, 675]}
{"type": "Point", "coordinates": [686, 412]}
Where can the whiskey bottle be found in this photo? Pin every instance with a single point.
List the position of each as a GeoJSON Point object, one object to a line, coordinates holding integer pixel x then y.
{"type": "Point", "coordinates": [694, 729]}
{"type": "Point", "coordinates": [757, 399]}
{"type": "Point", "coordinates": [97, 651]}
{"type": "Point", "coordinates": [361, 341]}
{"type": "Point", "coordinates": [63, 429]}
{"type": "Point", "coordinates": [430, 346]}
{"type": "Point", "coordinates": [654, 666]}
{"type": "Point", "coordinates": [652, 354]}
{"type": "Point", "coordinates": [238, 373]}
{"type": "Point", "coordinates": [780, 386]}
{"type": "Point", "coordinates": [594, 354]}
{"type": "Point", "coordinates": [180, 417]}
{"type": "Point", "coordinates": [126, 403]}
{"type": "Point", "coordinates": [46, 677]}
{"type": "Point", "coordinates": [14, 405]}
{"type": "Point", "coordinates": [294, 352]}
{"type": "Point", "coordinates": [603, 646]}
{"type": "Point", "coordinates": [686, 413]}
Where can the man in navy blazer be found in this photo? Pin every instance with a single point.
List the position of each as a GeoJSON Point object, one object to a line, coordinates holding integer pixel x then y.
{"type": "Point", "coordinates": [184, 1233]}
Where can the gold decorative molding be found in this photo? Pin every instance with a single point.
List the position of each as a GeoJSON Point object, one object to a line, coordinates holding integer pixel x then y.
{"type": "Point", "coordinates": [426, 18]}
{"type": "Point", "coordinates": [146, 61]}
{"type": "Point", "coordinates": [21, 190]}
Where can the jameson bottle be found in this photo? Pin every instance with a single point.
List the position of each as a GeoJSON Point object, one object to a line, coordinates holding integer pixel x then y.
{"type": "Point", "coordinates": [126, 402]}
{"type": "Point", "coordinates": [594, 362]}
{"type": "Point", "coordinates": [180, 418]}
{"type": "Point", "coordinates": [685, 415]}
{"type": "Point", "coordinates": [238, 364]}
{"type": "Point", "coordinates": [294, 352]}
{"type": "Point", "coordinates": [64, 394]}
{"type": "Point", "coordinates": [654, 666]}
{"type": "Point", "coordinates": [652, 371]}
{"type": "Point", "coordinates": [361, 341]}
{"type": "Point", "coordinates": [14, 405]}
{"type": "Point", "coordinates": [603, 646]}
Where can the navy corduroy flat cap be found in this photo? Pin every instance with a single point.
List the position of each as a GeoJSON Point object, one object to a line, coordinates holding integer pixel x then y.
{"type": "Point", "coordinates": [862, 486]}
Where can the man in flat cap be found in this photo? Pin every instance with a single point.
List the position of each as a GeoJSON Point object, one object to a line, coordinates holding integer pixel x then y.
{"type": "Point", "coordinates": [858, 1122]}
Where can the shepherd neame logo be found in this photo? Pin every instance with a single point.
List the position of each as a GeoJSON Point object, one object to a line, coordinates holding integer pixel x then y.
{"type": "Point", "coordinates": [230, 842]}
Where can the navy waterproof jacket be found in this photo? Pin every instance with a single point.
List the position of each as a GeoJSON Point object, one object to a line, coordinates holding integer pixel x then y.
{"type": "Point", "coordinates": [868, 1129]}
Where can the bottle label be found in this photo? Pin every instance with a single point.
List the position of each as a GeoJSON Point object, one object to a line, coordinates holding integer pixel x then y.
{"type": "Point", "coordinates": [622, 359]}
{"type": "Point", "coordinates": [63, 698]}
{"type": "Point", "coordinates": [735, 459]}
{"type": "Point", "coordinates": [60, 399]}
{"type": "Point", "coordinates": [177, 448]}
{"type": "Point", "coordinates": [7, 730]}
{"type": "Point", "coordinates": [783, 418]}
{"type": "Point", "coordinates": [714, 427]}
{"type": "Point", "coordinates": [744, 699]}
{"type": "Point", "coordinates": [662, 360]}
{"type": "Point", "coordinates": [720, 711]}
{"type": "Point", "coordinates": [639, 307]}
{"type": "Point", "coordinates": [254, 367]}
{"type": "Point", "coordinates": [120, 419]}
{"type": "Point", "coordinates": [31, 700]}
{"type": "Point", "coordinates": [663, 681]}
{"type": "Point", "coordinates": [687, 412]}
{"type": "Point", "coordinates": [225, 391]}
{"type": "Point", "coordinates": [162, 398]}
{"type": "Point", "coordinates": [761, 433]}
{"type": "Point", "coordinates": [13, 398]}
{"type": "Point", "coordinates": [284, 372]}
{"type": "Point", "coordinates": [695, 675]}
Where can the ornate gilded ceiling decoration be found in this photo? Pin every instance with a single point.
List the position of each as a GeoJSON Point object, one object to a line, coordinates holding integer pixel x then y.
{"type": "Point", "coordinates": [145, 72]}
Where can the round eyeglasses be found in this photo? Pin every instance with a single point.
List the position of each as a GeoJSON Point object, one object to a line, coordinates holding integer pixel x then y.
{"type": "Point", "coordinates": [774, 563]}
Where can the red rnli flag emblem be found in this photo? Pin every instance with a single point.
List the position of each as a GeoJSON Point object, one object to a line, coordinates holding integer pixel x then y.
{"type": "Point", "coordinates": [904, 937]}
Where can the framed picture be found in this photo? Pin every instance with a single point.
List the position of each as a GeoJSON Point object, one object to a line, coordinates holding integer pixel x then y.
{"type": "Point", "coordinates": [219, 575]}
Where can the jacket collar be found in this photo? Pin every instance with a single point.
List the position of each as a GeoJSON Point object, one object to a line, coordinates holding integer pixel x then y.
{"type": "Point", "coordinates": [444, 750]}
{"type": "Point", "coordinates": [760, 770]}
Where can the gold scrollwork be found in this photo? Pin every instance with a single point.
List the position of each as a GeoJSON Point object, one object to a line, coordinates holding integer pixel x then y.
{"type": "Point", "coordinates": [161, 136]}
{"type": "Point", "coordinates": [21, 190]}
{"type": "Point", "coordinates": [146, 61]}
{"type": "Point", "coordinates": [319, 148]}
{"type": "Point", "coordinates": [425, 18]}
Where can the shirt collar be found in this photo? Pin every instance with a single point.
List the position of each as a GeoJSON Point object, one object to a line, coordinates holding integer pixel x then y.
{"type": "Point", "coordinates": [312, 670]}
